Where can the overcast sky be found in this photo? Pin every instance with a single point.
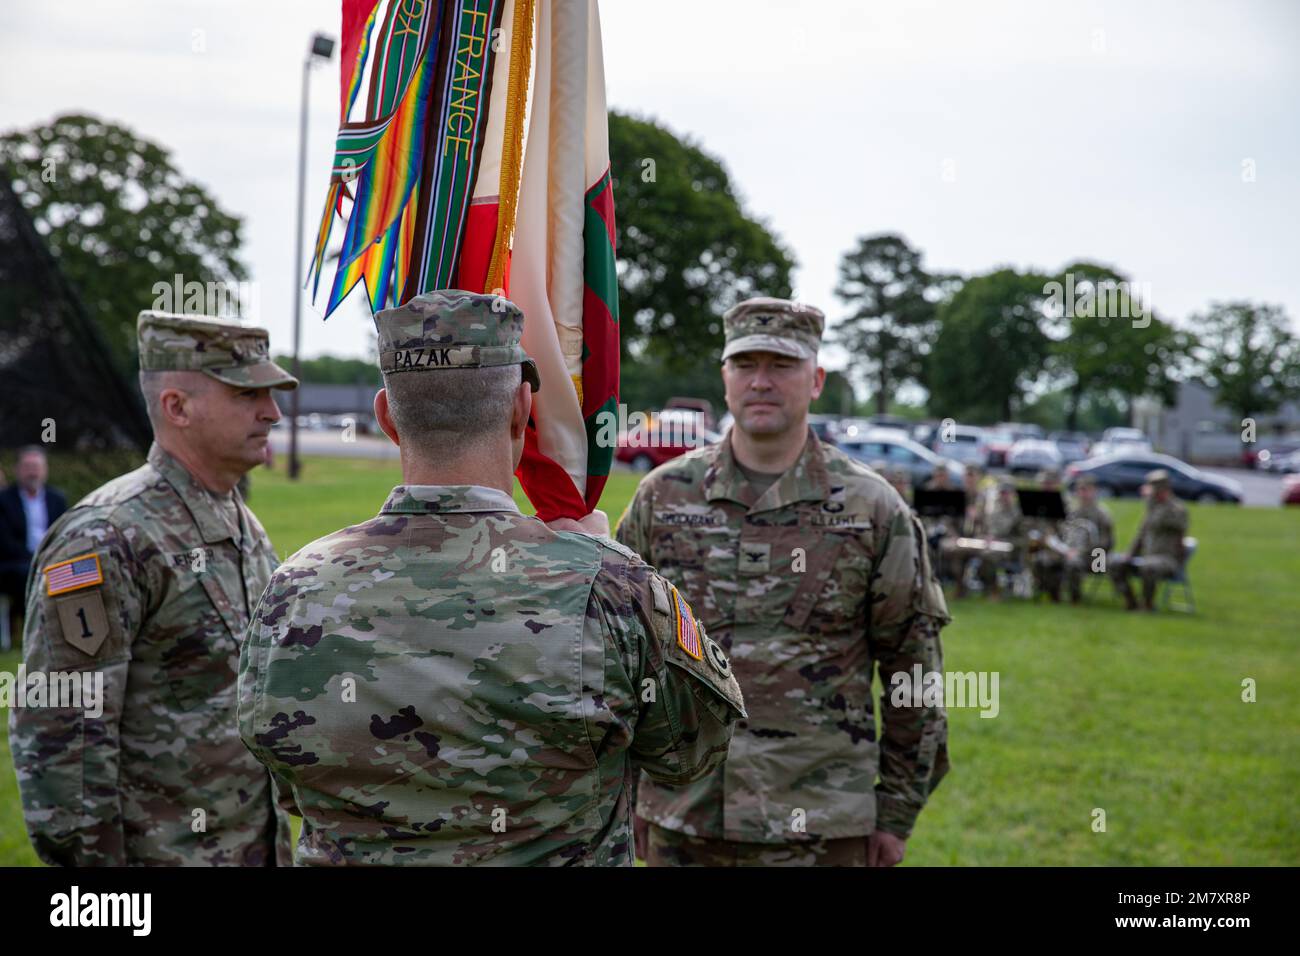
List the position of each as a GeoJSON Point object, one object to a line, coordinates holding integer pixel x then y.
{"type": "Point", "coordinates": [1012, 133]}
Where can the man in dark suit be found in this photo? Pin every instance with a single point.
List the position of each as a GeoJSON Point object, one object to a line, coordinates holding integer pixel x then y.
{"type": "Point", "coordinates": [27, 509]}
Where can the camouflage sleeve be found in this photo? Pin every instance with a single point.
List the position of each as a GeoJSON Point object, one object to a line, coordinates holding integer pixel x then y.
{"type": "Point", "coordinates": [685, 707]}
{"type": "Point", "coordinates": [66, 757]}
{"type": "Point", "coordinates": [1107, 531]}
{"type": "Point", "coordinates": [253, 727]}
{"type": "Point", "coordinates": [633, 529]}
{"type": "Point", "coordinates": [1173, 519]}
{"type": "Point", "coordinates": [908, 611]}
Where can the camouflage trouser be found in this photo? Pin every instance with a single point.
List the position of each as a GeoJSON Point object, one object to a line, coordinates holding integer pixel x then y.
{"type": "Point", "coordinates": [1048, 568]}
{"type": "Point", "coordinates": [669, 848]}
{"type": "Point", "coordinates": [1076, 572]}
{"type": "Point", "coordinates": [1152, 570]}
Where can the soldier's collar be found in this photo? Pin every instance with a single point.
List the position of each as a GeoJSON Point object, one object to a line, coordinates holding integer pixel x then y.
{"type": "Point", "coordinates": [446, 499]}
{"type": "Point", "coordinates": [200, 502]}
{"type": "Point", "coordinates": [805, 480]}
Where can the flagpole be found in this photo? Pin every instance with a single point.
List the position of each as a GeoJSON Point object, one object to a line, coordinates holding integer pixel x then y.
{"type": "Point", "coordinates": [322, 47]}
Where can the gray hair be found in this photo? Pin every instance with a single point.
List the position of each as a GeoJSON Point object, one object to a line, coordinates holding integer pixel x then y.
{"type": "Point", "coordinates": [451, 410]}
{"type": "Point", "coordinates": [153, 383]}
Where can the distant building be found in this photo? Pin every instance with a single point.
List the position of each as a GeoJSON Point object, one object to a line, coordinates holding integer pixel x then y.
{"type": "Point", "coordinates": [1197, 429]}
{"type": "Point", "coordinates": [337, 401]}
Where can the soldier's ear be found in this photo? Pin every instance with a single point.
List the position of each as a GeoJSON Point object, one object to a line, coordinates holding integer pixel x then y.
{"type": "Point", "coordinates": [521, 410]}
{"type": "Point", "coordinates": [819, 382]}
{"type": "Point", "coordinates": [174, 404]}
{"type": "Point", "coordinates": [384, 417]}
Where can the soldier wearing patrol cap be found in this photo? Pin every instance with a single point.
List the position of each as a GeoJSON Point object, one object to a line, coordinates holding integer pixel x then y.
{"type": "Point", "coordinates": [147, 584]}
{"type": "Point", "coordinates": [811, 571]}
{"type": "Point", "coordinates": [1157, 548]}
{"type": "Point", "coordinates": [452, 682]}
{"type": "Point", "coordinates": [1089, 528]}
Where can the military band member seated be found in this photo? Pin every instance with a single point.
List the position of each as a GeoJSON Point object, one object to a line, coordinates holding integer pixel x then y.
{"type": "Point", "coordinates": [1089, 532]}
{"type": "Point", "coordinates": [1157, 549]}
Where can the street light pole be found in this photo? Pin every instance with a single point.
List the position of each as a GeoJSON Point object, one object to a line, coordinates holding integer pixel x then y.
{"type": "Point", "coordinates": [322, 47]}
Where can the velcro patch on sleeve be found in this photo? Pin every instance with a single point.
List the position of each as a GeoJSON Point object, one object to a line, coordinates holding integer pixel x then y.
{"type": "Point", "coordinates": [83, 571]}
{"type": "Point", "coordinates": [660, 591]}
{"type": "Point", "coordinates": [688, 633]}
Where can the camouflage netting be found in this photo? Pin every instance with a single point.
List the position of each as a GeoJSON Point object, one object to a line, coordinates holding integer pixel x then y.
{"type": "Point", "coordinates": [54, 363]}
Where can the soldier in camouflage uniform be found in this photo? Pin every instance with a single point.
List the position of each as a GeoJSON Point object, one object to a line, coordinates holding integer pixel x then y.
{"type": "Point", "coordinates": [1157, 549]}
{"type": "Point", "coordinates": [452, 682]}
{"type": "Point", "coordinates": [1003, 523]}
{"type": "Point", "coordinates": [150, 581]}
{"type": "Point", "coordinates": [1044, 540]}
{"type": "Point", "coordinates": [955, 557]}
{"type": "Point", "coordinates": [811, 571]}
{"type": "Point", "coordinates": [1089, 527]}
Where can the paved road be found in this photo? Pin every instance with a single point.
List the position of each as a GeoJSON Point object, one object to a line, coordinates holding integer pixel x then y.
{"type": "Point", "coordinates": [1261, 488]}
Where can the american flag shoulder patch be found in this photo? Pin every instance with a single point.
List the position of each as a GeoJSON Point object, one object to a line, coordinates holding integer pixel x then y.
{"type": "Point", "coordinates": [688, 634]}
{"type": "Point", "coordinates": [83, 571]}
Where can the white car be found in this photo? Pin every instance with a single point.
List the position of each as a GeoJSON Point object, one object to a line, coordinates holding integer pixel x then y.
{"type": "Point", "coordinates": [965, 444]}
{"type": "Point", "coordinates": [1033, 454]}
{"type": "Point", "coordinates": [1126, 437]}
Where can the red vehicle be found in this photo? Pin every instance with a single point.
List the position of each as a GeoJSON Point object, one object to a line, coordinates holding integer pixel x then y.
{"type": "Point", "coordinates": [659, 438]}
{"type": "Point", "coordinates": [1291, 490]}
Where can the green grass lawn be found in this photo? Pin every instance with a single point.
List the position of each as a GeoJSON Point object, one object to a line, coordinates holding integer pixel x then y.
{"type": "Point", "coordinates": [1138, 715]}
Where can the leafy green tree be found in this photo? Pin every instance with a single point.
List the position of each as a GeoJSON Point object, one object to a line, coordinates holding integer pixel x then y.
{"type": "Point", "coordinates": [838, 396]}
{"type": "Point", "coordinates": [892, 304]}
{"type": "Point", "coordinates": [1248, 352]}
{"type": "Point", "coordinates": [332, 370]}
{"type": "Point", "coordinates": [1113, 345]}
{"type": "Point", "coordinates": [119, 217]}
{"type": "Point", "coordinates": [991, 348]}
{"type": "Point", "coordinates": [687, 252]}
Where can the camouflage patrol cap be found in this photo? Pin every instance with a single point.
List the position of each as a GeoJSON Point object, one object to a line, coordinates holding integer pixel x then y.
{"type": "Point", "coordinates": [773, 325]}
{"type": "Point", "coordinates": [1157, 478]}
{"type": "Point", "coordinates": [1086, 480]}
{"type": "Point", "coordinates": [238, 355]}
{"type": "Point", "coordinates": [453, 329]}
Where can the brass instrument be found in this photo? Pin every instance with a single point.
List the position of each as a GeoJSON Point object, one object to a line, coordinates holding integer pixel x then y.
{"type": "Point", "coordinates": [982, 545]}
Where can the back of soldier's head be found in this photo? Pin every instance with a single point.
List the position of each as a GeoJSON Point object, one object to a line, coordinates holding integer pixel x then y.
{"type": "Point", "coordinates": [452, 363]}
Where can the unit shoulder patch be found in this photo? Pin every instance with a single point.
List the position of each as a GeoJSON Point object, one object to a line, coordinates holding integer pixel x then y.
{"type": "Point", "coordinates": [83, 620]}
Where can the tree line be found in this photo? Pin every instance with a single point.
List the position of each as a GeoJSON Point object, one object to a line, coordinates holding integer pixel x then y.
{"type": "Point", "coordinates": [1074, 348]}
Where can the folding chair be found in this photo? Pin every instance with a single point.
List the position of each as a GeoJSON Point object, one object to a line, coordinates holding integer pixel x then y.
{"type": "Point", "coordinates": [1181, 581]}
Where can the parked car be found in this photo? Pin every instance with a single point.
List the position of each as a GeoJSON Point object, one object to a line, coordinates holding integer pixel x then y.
{"type": "Point", "coordinates": [1019, 430]}
{"type": "Point", "coordinates": [996, 445]}
{"type": "Point", "coordinates": [1271, 456]}
{"type": "Point", "coordinates": [1287, 464]}
{"type": "Point", "coordinates": [891, 423]}
{"type": "Point", "coordinates": [826, 427]}
{"type": "Point", "coordinates": [965, 444]}
{"type": "Point", "coordinates": [1032, 454]}
{"type": "Point", "coordinates": [1124, 474]}
{"type": "Point", "coordinates": [643, 454]}
{"type": "Point", "coordinates": [1291, 490]}
{"type": "Point", "coordinates": [1126, 436]}
{"type": "Point", "coordinates": [885, 445]}
{"type": "Point", "coordinates": [1105, 449]}
{"type": "Point", "coordinates": [1073, 446]}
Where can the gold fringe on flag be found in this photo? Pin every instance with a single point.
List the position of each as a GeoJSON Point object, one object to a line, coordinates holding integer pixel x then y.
{"type": "Point", "coordinates": [521, 66]}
